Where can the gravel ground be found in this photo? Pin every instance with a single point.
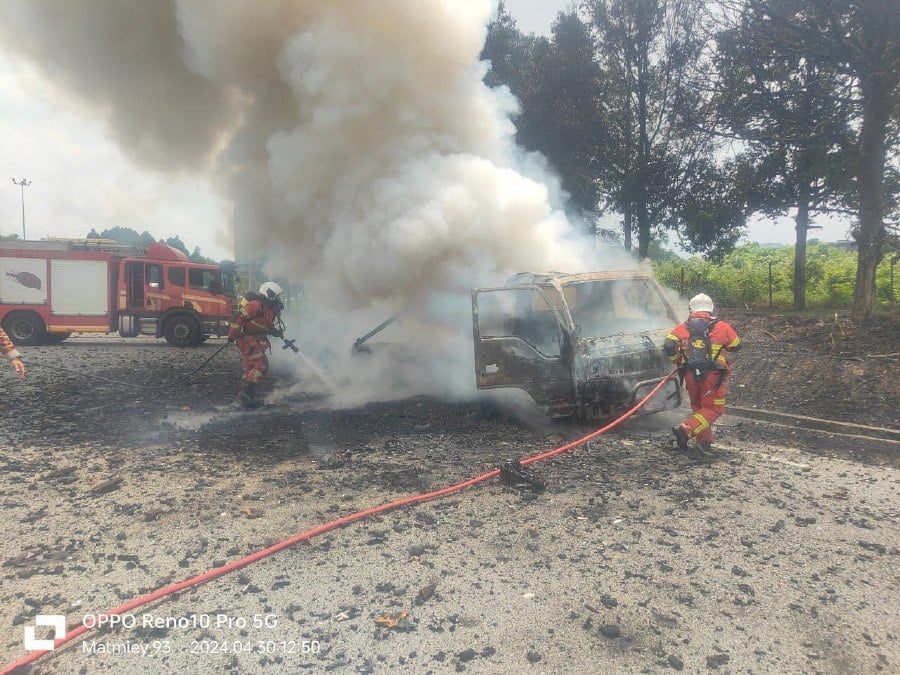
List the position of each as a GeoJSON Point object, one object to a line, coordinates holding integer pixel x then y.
{"type": "Point", "coordinates": [776, 553]}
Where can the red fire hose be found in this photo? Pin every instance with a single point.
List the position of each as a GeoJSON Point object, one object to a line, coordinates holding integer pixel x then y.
{"type": "Point", "coordinates": [325, 527]}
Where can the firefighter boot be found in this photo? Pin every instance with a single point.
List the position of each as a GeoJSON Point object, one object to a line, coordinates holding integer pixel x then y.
{"type": "Point", "coordinates": [246, 398]}
{"type": "Point", "coordinates": [681, 437]}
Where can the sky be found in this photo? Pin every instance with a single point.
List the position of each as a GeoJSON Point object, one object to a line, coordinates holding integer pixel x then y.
{"type": "Point", "coordinates": [80, 179]}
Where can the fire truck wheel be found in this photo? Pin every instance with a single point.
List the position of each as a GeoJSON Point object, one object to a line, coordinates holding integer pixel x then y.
{"type": "Point", "coordinates": [182, 330]}
{"type": "Point", "coordinates": [25, 328]}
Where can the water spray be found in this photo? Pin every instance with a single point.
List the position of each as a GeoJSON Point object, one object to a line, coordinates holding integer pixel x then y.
{"type": "Point", "coordinates": [290, 344]}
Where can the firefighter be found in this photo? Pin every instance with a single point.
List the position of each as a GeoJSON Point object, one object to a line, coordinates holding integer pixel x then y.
{"type": "Point", "coordinates": [259, 317]}
{"type": "Point", "coordinates": [698, 348]}
{"type": "Point", "coordinates": [8, 349]}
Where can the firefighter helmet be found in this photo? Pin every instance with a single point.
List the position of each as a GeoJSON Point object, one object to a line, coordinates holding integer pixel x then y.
{"type": "Point", "coordinates": [701, 303]}
{"type": "Point", "coordinates": [270, 290]}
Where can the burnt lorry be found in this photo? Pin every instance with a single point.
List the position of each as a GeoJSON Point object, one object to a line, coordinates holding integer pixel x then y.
{"type": "Point", "coordinates": [582, 345]}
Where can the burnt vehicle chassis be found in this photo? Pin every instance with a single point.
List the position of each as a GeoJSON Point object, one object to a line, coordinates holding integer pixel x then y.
{"type": "Point", "coordinates": [596, 367]}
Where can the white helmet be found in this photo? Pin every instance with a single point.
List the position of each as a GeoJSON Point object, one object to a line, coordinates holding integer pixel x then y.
{"type": "Point", "coordinates": [701, 303]}
{"type": "Point", "coordinates": [271, 290]}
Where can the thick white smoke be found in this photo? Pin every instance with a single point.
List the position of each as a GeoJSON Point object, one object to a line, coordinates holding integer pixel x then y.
{"type": "Point", "coordinates": [363, 154]}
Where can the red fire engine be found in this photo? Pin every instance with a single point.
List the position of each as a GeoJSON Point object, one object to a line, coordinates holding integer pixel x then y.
{"type": "Point", "coordinates": [52, 288]}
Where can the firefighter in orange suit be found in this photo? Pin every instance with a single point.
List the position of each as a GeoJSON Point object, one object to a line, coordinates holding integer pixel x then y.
{"type": "Point", "coordinates": [8, 349]}
{"type": "Point", "coordinates": [259, 317]}
{"type": "Point", "coordinates": [698, 348]}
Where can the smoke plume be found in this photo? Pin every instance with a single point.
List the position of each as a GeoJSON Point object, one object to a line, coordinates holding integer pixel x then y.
{"type": "Point", "coordinates": [362, 153]}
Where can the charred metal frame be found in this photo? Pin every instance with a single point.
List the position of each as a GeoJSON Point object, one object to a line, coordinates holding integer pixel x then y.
{"type": "Point", "coordinates": [593, 376]}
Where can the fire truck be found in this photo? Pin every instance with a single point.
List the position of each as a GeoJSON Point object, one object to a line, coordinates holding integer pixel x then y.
{"type": "Point", "coordinates": [52, 288]}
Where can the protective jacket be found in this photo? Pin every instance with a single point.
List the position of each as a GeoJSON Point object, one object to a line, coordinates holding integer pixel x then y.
{"type": "Point", "coordinates": [258, 318]}
{"type": "Point", "coordinates": [707, 390]}
{"type": "Point", "coordinates": [722, 338]}
{"type": "Point", "coordinates": [7, 348]}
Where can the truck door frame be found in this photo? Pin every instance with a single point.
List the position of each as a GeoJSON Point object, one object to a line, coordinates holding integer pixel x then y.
{"type": "Point", "coordinates": [513, 361]}
{"type": "Point", "coordinates": [134, 278]}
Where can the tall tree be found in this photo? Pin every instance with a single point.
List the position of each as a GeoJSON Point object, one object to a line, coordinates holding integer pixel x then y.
{"type": "Point", "coordinates": [556, 82]}
{"type": "Point", "coordinates": [654, 104]}
{"type": "Point", "coordinates": [561, 110]}
{"type": "Point", "coordinates": [859, 39]}
{"type": "Point", "coordinates": [506, 49]}
{"type": "Point", "coordinates": [794, 113]}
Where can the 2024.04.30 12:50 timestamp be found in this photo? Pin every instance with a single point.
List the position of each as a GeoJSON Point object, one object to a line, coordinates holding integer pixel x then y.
{"type": "Point", "coordinates": [255, 647]}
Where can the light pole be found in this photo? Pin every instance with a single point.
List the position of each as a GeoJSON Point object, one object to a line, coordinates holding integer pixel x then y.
{"type": "Point", "coordinates": [22, 184]}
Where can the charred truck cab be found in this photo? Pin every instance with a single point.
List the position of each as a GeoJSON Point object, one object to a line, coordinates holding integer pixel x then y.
{"type": "Point", "coordinates": [583, 345]}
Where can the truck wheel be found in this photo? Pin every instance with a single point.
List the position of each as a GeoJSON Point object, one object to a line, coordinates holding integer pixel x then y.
{"type": "Point", "coordinates": [25, 328]}
{"type": "Point", "coordinates": [182, 331]}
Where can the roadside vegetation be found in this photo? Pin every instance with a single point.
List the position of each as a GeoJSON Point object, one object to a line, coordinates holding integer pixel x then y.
{"type": "Point", "coordinates": [755, 277]}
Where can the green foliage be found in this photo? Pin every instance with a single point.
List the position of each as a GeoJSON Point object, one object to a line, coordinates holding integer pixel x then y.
{"type": "Point", "coordinates": [198, 257]}
{"type": "Point", "coordinates": [742, 278]}
{"type": "Point", "coordinates": [556, 82]}
{"type": "Point", "coordinates": [122, 235]}
{"type": "Point", "coordinates": [130, 237]}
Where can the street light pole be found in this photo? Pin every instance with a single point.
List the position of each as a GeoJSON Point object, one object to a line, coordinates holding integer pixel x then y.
{"type": "Point", "coordinates": [22, 184]}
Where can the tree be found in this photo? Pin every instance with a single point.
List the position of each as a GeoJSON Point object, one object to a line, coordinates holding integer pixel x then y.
{"type": "Point", "coordinates": [506, 49]}
{"type": "Point", "coordinates": [560, 110]}
{"type": "Point", "coordinates": [198, 257]}
{"type": "Point", "coordinates": [794, 114]}
{"type": "Point", "coordinates": [122, 235]}
{"type": "Point", "coordinates": [556, 84]}
{"type": "Point", "coordinates": [175, 242]}
{"type": "Point", "coordinates": [613, 104]}
{"type": "Point", "coordinates": [653, 102]}
{"type": "Point", "coordinates": [860, 40]}
{"type": "Point", "coordinates": [712, 209]}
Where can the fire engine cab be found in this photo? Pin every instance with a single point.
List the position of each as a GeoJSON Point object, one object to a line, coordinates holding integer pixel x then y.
{"type": "Point", "coordinates": [52, 288]}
